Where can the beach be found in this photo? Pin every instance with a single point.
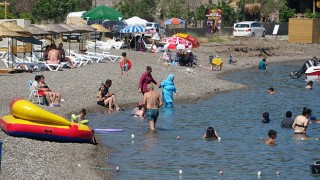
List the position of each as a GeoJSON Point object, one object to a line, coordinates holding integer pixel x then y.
{"type": "Point", "coordinates": [24, 158]}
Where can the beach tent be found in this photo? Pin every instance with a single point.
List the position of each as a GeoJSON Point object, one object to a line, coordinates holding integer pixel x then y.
{"type": "Point", "coordinates": [136, 21]}
{"type": "Point", "coordinates": [101, 13]}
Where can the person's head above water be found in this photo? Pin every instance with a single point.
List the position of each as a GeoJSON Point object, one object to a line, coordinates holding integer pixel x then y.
{"type": "Point", "coordinates": [210, 133]}
{"type": "Point", "coordinates": [265, 115]}
{"type": "Point", "coordinates": [272, 134]}
{"type": "Point", "coordinates": [288, 114]}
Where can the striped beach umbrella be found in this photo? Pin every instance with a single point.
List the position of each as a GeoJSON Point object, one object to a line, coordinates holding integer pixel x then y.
{"type": "Point", "coordinates": [132, 29]}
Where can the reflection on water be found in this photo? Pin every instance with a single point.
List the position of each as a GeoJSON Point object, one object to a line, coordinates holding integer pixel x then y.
{"type": "Point", "coordinates": [237, 118]}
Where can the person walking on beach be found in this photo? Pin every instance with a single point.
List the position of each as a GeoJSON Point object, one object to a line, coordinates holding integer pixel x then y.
{"type": "Point", "coordinates": [152, 101]}
{"type": "Point", "coordinates": [300, 124]}
{"type": "Point", "coordinates": [168, 89]}
{"type": "Point", "coordinates": [263, 64]}
{"type": "Point", "coordinates": [145, 79]}
{"type": "Point", "coordinates": [124, 62]}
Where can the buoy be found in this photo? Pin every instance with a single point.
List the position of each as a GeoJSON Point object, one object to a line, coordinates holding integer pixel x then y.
{"type": "Point", "coordinates": [259, 173]}
{"type": "Point", "coordinates": [132, 136]}
{"type": "Point", "coordinates": [278, 173]}
{"type": "Point", "coordinates": [117, 169]}
{"type": "Point", "coordinates": [316, 139]}
{"type": "Point", "coordinates": [178, 137]}
{"type": "Point", "coordinates": [132, 142]}
{"type": "Point", "coordinates": [180, 172]}
{"type": "Point", "coordinates": [221, 173]}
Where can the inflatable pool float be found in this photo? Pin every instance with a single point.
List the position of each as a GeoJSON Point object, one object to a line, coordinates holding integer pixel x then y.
{"type": "Point", "coordinates": [129, 64]}
{"type": "Point", "coordinates": [31, 121]}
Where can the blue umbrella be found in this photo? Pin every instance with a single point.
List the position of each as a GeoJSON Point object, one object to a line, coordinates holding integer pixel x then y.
{"type": "Point", "coordinates": [132, 29]}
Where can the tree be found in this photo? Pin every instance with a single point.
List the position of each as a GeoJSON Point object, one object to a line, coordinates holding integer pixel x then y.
{"type": "Point", "coordinates": [56, 10]}
{"type": "Point", "coordinates": [285, 13]}
{"type": "Point", "coordinates": [140, 8]}
{"type": "Point", "coordinates": [229, 16]}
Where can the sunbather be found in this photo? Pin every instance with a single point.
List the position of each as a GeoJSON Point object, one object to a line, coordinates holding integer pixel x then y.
{"type": "Point", "coordinates": [54, 55]}
{"type": "Point", "coordinates": [54, 96]}
{"type": "Point", "coordinates": [63, 56]}
{"type": "Point", "coordinates": [41, 90]}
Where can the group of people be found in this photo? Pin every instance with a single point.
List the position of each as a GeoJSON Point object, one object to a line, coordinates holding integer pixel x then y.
{"type": "Point", "coordinates": [54, 55]}
{"type": "Point", "coordinates": [299, 124]}
{"type": "Point", "coordinates": [52, 98]}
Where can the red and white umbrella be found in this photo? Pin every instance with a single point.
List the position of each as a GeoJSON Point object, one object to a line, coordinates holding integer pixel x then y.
{"type": "Point", "coordinates": [176, 43]}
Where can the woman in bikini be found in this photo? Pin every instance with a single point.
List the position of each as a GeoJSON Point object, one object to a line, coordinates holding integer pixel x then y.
{"type": "Point", "coordinates": [300, 124]}
{"type": "Point", "coordinates": [103, 98]}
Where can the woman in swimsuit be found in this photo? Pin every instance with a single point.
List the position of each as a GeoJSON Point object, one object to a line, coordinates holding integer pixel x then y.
{"type": "Point", "coordinates": [103, 98]}
{"type": "Point", "coordinates": [211, 134]}
{"type": "Point", "coordinates": [300, 124]}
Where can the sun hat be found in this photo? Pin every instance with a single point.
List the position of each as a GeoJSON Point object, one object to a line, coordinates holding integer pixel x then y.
{"type": "Point", "coordinates": [188, 50]}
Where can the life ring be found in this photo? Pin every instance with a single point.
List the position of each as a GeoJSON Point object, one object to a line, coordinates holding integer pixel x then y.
{"type": "Point", "coordinates": [129, 64]}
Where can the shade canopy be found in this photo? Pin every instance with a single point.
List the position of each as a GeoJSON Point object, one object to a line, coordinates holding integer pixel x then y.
{"type": "Point", "coordinates": [5, 32]}
{"type": "Point", "coordinates": [101, 13]}
{"type": "Point", "coordinates": [68, 27]}
{"type": "Point", "coordinates": [31, 40]}
{"type": "Point", "coordinates": [99, 28]}
{"type": "Point", "coordinates": [174, 21]}
{"type": "Point", "coordinates": [136, 21]}
{"type": "Point", "coordinates": [37, 31]}
{"type": "Point", "coordinates": [14, 27]}
{"type": "Point", "coordinates": [82, 28]}
{"type": "Point", "coordinates": [132, 29]}
{"type": "Point", "coordinates": [55, 28]}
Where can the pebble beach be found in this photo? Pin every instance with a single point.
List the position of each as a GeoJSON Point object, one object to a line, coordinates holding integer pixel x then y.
{"type": "Point", "coordinates": [24, 158]}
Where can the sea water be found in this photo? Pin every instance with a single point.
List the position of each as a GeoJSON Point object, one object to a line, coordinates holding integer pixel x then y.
{"type": "Point", "coordinates": [236, 116]}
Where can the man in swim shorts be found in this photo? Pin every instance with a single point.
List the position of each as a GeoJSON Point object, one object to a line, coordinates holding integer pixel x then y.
{"type": "Point", "coordinates": [152, 101]}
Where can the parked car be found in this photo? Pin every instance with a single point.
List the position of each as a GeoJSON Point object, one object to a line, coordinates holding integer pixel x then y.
{"type": "Point", "coordinates": [249, 28]}
{"type": "Point", "coordinates": [115, 26]}
{"type": "Point", "coordinates": [154, 26]}
{"type": "Point", "coordinates": [73, 36]}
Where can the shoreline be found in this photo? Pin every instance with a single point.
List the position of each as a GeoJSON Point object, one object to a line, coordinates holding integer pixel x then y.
{"type": "Point", "coordinates": [32, 159]}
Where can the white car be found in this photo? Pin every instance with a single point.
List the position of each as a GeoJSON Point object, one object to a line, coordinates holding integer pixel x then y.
{"type": "Point", "coordinates": [248, 28]}
{"type": "Point", "coordinates": [154, 26]}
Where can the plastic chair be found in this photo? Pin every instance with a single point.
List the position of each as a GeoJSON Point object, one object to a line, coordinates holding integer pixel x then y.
{"type": "Point", "coordinates": [34, 96]}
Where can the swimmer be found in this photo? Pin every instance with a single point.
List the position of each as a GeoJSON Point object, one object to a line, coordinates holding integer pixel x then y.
{"type": "Point", "coordinates": [140, 110]}
{"type": "Point", "coordinates": [313, 119]}
{"type": "Point", "coordinates": [266, 118]}
{"type": "Point", "coordinates": [271, 91]}
{"type": "Point", "coordinates": [271, 141]}
{"type": "Point", "coordinates": [309, 85]}
{"type": "Point", "coordinates": [210, 133]}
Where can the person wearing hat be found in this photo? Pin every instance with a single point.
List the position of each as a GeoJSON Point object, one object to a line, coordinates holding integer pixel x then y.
{"type": "Point", "coordinates": [313, 119]}
{"type": "Point", "coordinates": [145, 79]}
{"type": "Point", "coordinates": [287, 121]}
{"type": "Point", "coordinates": [265, 116]}
{"type": "Point", "coordinates": [189, 57]}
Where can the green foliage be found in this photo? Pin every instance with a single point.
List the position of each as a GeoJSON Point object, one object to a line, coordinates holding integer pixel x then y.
{"type": "Point", "coordinates": [309, 14]}
{"type": "Point", "coordinates": [9, 15]}
{"type": "Point", "coordinates": [229, 16]}
{"type": "Point", "coordinates": [56, 10]}
{"type": "Point", "coordinates": [140, 8]}
{"type": "Point", "coordinates": [26, 15]}
{"type": "Point", "coordinates": [201, 12]}
{"type": "Point", "coordinates": [285, 13]}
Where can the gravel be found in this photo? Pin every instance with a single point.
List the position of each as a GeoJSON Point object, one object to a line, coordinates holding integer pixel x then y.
{"type": "Point", "coordinates": [31, 159]}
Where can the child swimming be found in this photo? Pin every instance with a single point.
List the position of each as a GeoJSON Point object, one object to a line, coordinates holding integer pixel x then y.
{"type": "Point", "coordinates": [78, 118]}
{"type": "Point", "coordinates": [272, 138]}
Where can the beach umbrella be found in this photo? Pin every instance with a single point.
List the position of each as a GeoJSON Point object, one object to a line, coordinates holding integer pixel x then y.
{"type": "Point", "coordinates": [193, 40]}
{"type": "Point", "coordinates": [36, 31]}
{"type": "Point", "coordinates": [7, 33]}
{"type": "Point", "coordinates": [98, 28]}
{"type": "Point", "coordinates": [70, 29]}
{"type": "Point", "coordinates": [53, 29]}
{"type": "Point", "coordinates": [174, 21]}
{"type": "Point", "coordinates": [136, 21]}
{"type": "Point", "coordinates": [176, 43]}
{"type": "Point", "coordinates": [132, 29]}
{"type": "Point", "coordinates": [101, 13]}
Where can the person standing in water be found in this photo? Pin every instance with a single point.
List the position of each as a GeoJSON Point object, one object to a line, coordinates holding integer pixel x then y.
{"type": "Point", "coordinates": [263, 64]}
{"type": "Point", "coordinates": [168, 89]}
{"type": "Point", "coordinates": [152, 101]}
{"type": "Point", "coordinates": [211, 134]}
{"type": "Point", "coordinates": [300, 124]}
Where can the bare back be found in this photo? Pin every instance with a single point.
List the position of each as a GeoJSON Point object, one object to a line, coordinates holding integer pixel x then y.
{"type": "Point", "coordinates": [152, 100]}
{"type": "Point", "coordinates": [54, 55]}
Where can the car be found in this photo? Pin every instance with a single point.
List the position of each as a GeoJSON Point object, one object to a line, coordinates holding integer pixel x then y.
{"type": "Point", "coordinates": [249, 28]}
{"type": "Point", "coordinates": [115, 26]}
{"type": "Point", "coordinates": [73, 36]}
{"type": "Point", "coordinates": [154, 26]}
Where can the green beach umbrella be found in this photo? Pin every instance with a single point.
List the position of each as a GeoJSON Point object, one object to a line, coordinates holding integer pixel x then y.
{"type": "Point", "coordinates": [101, 13]}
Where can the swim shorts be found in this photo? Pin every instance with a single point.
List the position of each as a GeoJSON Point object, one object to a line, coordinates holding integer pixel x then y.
{"type": "Point", "coordinates": [41, 93]}
{"type": "Point", "coordinates": [124, 67]}
{"type": "Point", "coordinates": [152, 114]}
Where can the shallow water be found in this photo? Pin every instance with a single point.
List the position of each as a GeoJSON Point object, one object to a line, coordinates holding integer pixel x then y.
{"type": "Point", "coordinates": [237, 118]}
